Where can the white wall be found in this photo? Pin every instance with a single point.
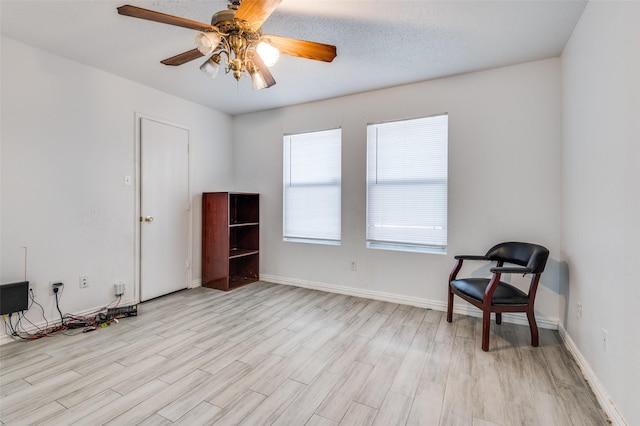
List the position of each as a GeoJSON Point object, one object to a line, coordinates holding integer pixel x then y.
{"type": "Point", "coordinates": [601, 206]}
{"type": "Point", "coordinates": [67, 141]}
{"type": "Point", "coordinates": [504, 172]}
{"type": "Point", "coordinates": [68, 138]}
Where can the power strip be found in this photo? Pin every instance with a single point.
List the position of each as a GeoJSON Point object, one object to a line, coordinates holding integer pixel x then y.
{"type": "Point", "coordinates": [122, 312]}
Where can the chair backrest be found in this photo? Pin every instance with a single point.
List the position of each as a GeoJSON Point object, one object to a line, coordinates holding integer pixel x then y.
{"type": "Point", "coordinates": [532, 256]}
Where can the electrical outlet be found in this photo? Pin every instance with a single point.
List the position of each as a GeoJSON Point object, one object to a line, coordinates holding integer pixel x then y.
{"type": "Point", "coordinates": [119, 288]}
{"type": "Point", "coordinates": [579, 310]}
{"type": "Point", "coordinates": [84, 281]}
{"type": "Point", "coordinates": [55, 285]}
{"type": "Point", "coordinates": [353, 265]}
{"type": "Point", "coordinates": [605, 340]}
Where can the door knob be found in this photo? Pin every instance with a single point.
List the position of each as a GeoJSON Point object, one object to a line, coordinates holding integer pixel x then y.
{"type": "Point", "coordinates": [148, 218]}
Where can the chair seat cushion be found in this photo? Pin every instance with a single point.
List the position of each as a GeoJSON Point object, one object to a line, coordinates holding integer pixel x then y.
{"type": "Point", "coordinates": [505, 294]}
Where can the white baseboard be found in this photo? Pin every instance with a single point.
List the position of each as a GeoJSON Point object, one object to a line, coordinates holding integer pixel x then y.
{"type": "Point", "coordinates": [195, 283]}
{"type": "Point", "coordinates": [460, 307]}
{"type": "Point", "coordinates": [598, 389]}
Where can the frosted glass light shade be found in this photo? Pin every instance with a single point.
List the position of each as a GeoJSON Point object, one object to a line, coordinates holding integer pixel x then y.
{"type": "Point", "coordinates": [257, 80]}
{"type": "Point", "coordinates": [206, 43]}
{"type": "Point", "coordinates": [210, 67]}
{"type": "Point", "coordinates": [268, 53]}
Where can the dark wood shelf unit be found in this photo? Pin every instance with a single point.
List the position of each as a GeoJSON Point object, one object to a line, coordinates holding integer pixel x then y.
{"type": "Point", "coordinates": [239, 252]}
{"type": "Point", "coordinates": [230, 239]}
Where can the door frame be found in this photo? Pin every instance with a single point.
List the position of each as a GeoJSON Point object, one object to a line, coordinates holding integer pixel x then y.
{"type": "Point", "coordinates": [137, 253]}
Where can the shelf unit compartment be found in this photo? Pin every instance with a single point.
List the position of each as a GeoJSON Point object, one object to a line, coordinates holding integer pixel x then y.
{"type": "Point", "coordinates": [243, 239]}
{"type": "Point", "coordinates": [243, 270]}
{"type": "Point", "coordinates": [243, 209]}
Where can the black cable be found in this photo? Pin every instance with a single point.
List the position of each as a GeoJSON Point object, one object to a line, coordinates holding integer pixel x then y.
{"type": "Point", "coordinates": [67, 321]}
{"type": "Point", "coordinates": [33, 301]}
{"type": "Point", "coordinates": [58, 307]}
{"type": "Point", "coordinates": [24, 317]}
{"type": "Point", "coordinates": [20, 328]}
{"type": "Point", "coordinates": [7, 331]}
{"type": "Point", "coordinates": [15, 329]}
{"type": "Point", "coordinates": [8, 326]}
{"type": "Point", "coordinates": [14, 332]}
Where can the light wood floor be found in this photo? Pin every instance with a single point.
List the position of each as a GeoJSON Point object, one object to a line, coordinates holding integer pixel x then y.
{"type": "Point", "coordinates": [272, 354]}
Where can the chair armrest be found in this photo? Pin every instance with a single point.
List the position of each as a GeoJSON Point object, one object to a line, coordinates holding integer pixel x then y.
{"type": "Point", "coordinates": [460, 259]}
{"type": "Point", "coordinates": [511, 270]}
{"type": "Point", "coordinates": [470, 257]}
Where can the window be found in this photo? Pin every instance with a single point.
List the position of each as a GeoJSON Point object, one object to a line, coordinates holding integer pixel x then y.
{"type": "Point", "coordinates": [407, 185]}
{"type": "Point", "coordinates": [312, 187]}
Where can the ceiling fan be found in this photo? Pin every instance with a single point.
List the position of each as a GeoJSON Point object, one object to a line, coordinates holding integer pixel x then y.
{"type": "Point", "coordinates": [235, 35]}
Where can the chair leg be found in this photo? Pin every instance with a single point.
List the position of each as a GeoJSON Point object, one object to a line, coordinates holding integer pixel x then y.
{"type": "Point", "coordinates": [486, 327]}
{"type": "Point", "coordinates": [533, 326]}
{"type": "Point", "coordinates": [498, 317]}
{"type": "Point", "coordinates": [450, 305]}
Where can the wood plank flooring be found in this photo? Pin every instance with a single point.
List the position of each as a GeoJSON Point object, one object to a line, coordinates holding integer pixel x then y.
{"type": "Point", "coordinates": [271, 354]}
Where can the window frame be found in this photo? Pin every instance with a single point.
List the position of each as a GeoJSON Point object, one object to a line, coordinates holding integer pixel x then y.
{"type": "Point", "coordinates": [434, 237]}
{"type": "Point", "coordinates": [333, 170]}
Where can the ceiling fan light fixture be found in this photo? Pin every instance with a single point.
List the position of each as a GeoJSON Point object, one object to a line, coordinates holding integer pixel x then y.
{"type": "Point", "coordinates": [236, 33]}
{"type": "Point", "coordinates": [207, 42]}
{"type": "Point", "coordinates": [268, 53]}
{"type": "Point", "coordinates": [211, 66]}
{"type": "Point", "coordinates": [257, 79]}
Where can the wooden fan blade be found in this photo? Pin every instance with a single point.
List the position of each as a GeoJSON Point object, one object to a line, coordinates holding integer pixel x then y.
{"type": "Point", "coordinates": [264, 70]}
{"type": "Point", "coordinates": [255, 12]}
{"type": "Point", "coordinates": [302, 48]}
{"type": "Point", "coordinates": [150, 15]}
{"type": "Point", "coordinates": [182, 58]}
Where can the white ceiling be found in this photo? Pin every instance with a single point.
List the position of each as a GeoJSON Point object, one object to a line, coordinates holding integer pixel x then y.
{"type": "Point", "coordinates": [380, 43]}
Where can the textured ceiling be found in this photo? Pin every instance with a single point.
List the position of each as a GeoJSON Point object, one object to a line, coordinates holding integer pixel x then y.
{"type": "Point", "coordinates": [380, 43]}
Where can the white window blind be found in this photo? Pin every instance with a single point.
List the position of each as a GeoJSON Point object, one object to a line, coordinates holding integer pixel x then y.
{"type": "Point", "coordinates": [312, 187]}
{"type": "Point", "coordinates": [407, 184]}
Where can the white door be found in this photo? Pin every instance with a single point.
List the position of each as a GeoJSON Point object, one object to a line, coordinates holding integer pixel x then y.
{"type": "Point", "coordinates": [164, 208]}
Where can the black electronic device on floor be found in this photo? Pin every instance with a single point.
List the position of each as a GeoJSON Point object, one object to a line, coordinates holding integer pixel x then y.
{"type": "Point", "coordinates": [122, 312]}
{"type": "Point", "coordinates": [14, 297]}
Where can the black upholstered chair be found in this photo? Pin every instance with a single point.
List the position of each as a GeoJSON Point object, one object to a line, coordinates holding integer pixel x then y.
{"type": "Point", "coordinates": [494, 295]}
